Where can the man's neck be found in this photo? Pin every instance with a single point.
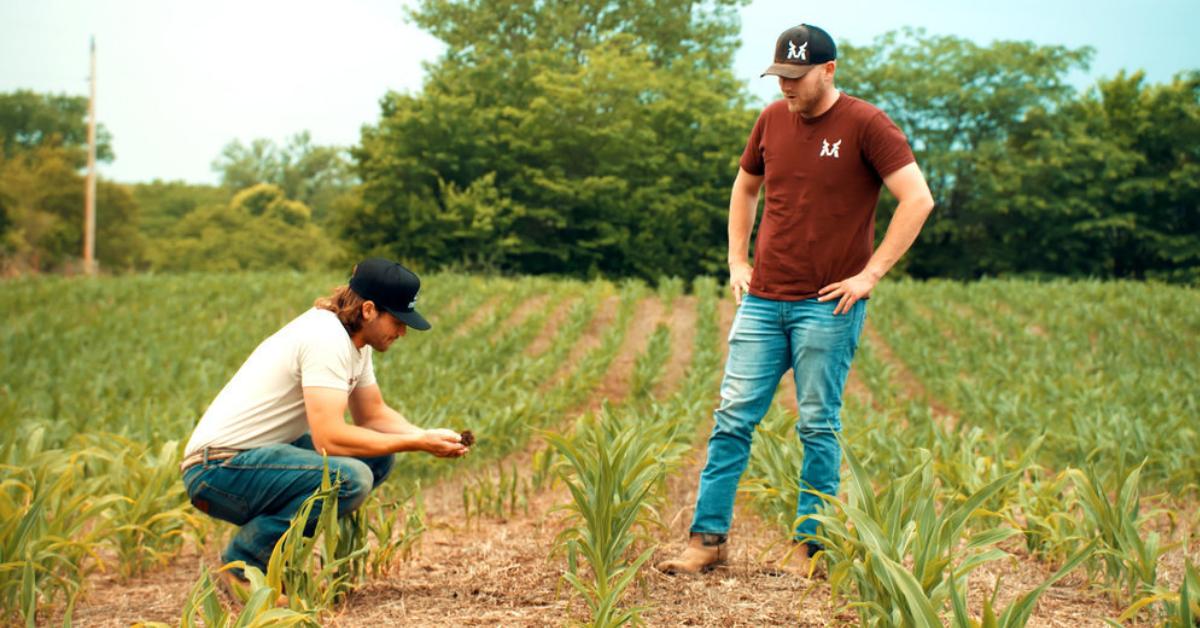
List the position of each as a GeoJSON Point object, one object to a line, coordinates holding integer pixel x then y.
{"type": "Point", "coordinates": [825, 104]}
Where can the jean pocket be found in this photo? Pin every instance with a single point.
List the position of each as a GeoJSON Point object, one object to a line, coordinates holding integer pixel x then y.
{"type": "Point", "coordinates": [220, 504]}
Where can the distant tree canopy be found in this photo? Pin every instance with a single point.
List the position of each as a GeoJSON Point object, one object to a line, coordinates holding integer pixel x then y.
{"type": "Point", "coordinates": [1029, 177]}
{"type": "Point", "coordinates": [29, 120]}
{"type": "Point", "coordinates": [258, 229]}
{"type": "Point", "coordinates": [596, 137]}
{"type": "Point", "coordinates": [44, 147]}
{"type": "Point", "coordinates": [318, 176]}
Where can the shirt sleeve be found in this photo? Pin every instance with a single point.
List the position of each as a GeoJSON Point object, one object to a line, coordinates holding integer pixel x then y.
{"type": "Point", "coordinates": [324, 364]}
{"type": "Point", "coordinates": [752, 157]}
{"type": "Point", "coordinates": [885, 146]}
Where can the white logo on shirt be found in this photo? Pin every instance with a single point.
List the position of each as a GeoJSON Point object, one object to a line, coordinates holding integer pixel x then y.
{"type": "Point", "coordinates": [800, 53]}
{"type": "Point", "coordinates": [830, 150]}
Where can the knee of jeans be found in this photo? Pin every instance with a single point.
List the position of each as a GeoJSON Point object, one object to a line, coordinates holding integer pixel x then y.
{"type": "Point", "coordinates": [729, 421]}
{"type": "Point", "coordinates": [357, 482]}
{"type": "Point", "coordinates": [381, 467]}
{"type": "Point", "coordinates": [819, 430]}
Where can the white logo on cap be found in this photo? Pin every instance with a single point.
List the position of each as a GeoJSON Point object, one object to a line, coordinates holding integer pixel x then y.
{"type": "Point", "coordinates": [800, 53]}
{"type": "Point", "coordinates": [830, 150]}
{"type": "Point", "coordinates": [413, 303]}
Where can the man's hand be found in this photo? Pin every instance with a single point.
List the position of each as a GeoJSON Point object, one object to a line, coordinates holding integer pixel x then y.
{"type": "Point", "coordinates": [848, 291]}
{"type": "Point", "coordinates": [739, 280]}
{"type": "Point", "coordinates": [444, 443]}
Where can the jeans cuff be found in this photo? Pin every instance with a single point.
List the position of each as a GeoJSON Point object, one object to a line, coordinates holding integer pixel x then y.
{"type": "Point", "coordinates": [711, 539]}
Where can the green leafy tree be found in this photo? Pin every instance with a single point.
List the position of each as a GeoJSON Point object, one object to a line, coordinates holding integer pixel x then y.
{"type": "Point", "coordinates": [587, 138]}
{"type": "Point", "coordinates": [163, 203]}
{"type": "Point", "coordinates": [259, 229]}
{"type": "Point", "coordinates": [318, 176]}
{"type": "Point", "coordinates": [42, 195]}
{"type": "Point", "coordinates": [29, 120]}
{"type": "Point", "coordinates": [959, 103]}
{"type": "Point", "coordinates": [1107, 185]}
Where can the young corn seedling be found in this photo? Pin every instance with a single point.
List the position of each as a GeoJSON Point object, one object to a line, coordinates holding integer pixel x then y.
{"type": "Point", "coordinates": [1016, 615]}
{"type": "Point", "coordinates": [1044, 510]}
{"type": "Point", "coordinates": [203, 606]}
{"type": "Point", "coordinates": [1130, 557]}
{"type": "Point", "coordinates": [53, 523]}
{"type": "Point", "coordinates": [149, 526]}
{"type": "Point", "coordinates": [393, 540]}
{"type": "Point", "coordinates": [319, 559]}
{"type": "Point", "coordinates": [610, 480]}
{"type": "Point", "coordinates": [896, 553]}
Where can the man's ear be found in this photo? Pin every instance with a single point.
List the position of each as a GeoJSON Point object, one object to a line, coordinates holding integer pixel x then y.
{"type": "Point", "coordinates": [369, 311]}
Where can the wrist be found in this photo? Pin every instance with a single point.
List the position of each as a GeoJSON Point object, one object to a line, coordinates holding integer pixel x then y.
{"type": "Point", "coordinates": [413, 441]}
{"type": "Point", "coordinates": [874, 274]}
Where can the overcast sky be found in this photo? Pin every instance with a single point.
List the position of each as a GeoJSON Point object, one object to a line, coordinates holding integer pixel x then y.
{"type": "Point", "coordinates": [178, 80]}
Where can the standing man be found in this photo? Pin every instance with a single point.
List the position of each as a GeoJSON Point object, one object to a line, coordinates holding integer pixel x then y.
{"type": "Point", "coordinates": [257, 453]}
{"type": "Point", "coordinates": [822, 157]}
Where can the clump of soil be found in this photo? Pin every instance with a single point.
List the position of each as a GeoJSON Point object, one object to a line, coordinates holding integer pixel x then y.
{"type": "Point", "coordinates": [466, 438]}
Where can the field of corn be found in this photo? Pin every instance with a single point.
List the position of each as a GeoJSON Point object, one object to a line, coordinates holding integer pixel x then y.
{"type": "Point", "coordinates": [1018, 453]}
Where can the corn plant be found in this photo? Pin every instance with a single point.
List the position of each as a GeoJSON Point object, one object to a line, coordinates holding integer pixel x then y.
{"type": "Point", "coordinates": [147, 528]}
{"type": "Point", "coordinates": [1130, 557]}
{"type": "Point", "coordinates": [897, 553]}
{"type": "Point", "coordinates": [647, 369]}
{"type": "Point", "coordinates": [483, 497]}
{"type": "Point", "coordinates": [203, 606]}
{"type": "Point", "coordinates": [1016, 614]}
{"type": "Point", "coordinates": [318, 561]}
{"type": "Point", "coordinates": [1179, 608]}
{"type": "Point", "coordinates": [1044, 509]}
{"type": "Point", "coordinates": [52, 526]}
{"type": "Point", "coordinates": [391, 539]}
{"type": "Point", "coordinates": [610, 480]}
{"type": "Point", "coordinates": [542, 473]}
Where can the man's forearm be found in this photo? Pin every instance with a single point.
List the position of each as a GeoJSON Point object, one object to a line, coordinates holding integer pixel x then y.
{"type": "Point", "coordinates": [742, 208]}
{"type": "Point", "coordinates": [901, 233]}
{"type": "Point", "coordinates": [362, 441]}
{"type": "Point", "coordinates": [388, 421]}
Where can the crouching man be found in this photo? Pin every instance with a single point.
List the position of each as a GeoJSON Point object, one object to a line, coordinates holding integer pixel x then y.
{"type": "Point", "coordinates": [256, 454]}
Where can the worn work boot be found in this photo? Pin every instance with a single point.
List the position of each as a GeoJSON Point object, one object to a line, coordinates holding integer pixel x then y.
{"type": "Point", "coordinates": [239, 588]}
{"type": "Point", "coordinates": [703, 553]}
{"type": "Point", "coordinates": [794, 559]}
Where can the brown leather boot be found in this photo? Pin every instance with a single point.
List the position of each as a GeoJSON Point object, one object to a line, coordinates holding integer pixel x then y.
{"type": "Point", "coordinates": [794, 559]}
{"type": "Point", "coordinates": [702, 554]}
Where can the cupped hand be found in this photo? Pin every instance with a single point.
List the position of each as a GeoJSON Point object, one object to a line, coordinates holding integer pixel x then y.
{"type": "Point", "coordinates": [444, 443]}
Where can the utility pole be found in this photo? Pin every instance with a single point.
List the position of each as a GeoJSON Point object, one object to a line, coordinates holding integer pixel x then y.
{"type": "Point", "coordinates": [89, 193]}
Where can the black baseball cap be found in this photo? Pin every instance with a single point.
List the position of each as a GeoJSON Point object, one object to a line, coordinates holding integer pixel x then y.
{"type": "Point", "coordinates": [392, 287]}
{"type": "Point", "coordinates": [800, 49]}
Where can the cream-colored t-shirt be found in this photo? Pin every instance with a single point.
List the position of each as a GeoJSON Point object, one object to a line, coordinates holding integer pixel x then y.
{"type": "Point", "coordinates": [264, 402]}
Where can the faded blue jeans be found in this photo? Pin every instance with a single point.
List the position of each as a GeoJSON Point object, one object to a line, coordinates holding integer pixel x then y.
{"type": "Point", "coordinates": [768, 338]}
{"type": "Point", "coordinates": [261, 489]}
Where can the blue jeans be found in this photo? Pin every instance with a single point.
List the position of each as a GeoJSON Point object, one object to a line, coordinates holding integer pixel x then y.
{"type": "Point", "coordinates": [768, 338]}
{"type": "Point", "coordinates": [261, 489]}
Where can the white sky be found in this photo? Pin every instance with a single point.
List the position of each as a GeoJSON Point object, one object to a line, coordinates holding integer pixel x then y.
{"type": "Point", "coordinates": [179, 80]}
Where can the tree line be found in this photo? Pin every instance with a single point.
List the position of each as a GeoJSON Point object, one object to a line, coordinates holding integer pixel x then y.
{"type": "Point", "coordinates": [602, 139]}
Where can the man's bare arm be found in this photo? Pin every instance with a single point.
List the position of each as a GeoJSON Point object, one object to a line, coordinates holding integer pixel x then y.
{"type": "Point", "coordinates": [743, 205]}
{"type": "Point", "coordinates": [326, 409]}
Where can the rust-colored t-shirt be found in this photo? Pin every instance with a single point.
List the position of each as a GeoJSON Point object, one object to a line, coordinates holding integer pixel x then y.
{"type": "Point", "coordinates": [822, 177]}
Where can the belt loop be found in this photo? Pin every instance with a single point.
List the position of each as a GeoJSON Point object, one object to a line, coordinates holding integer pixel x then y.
{"type": "Point", "coordinates": [204, 457]}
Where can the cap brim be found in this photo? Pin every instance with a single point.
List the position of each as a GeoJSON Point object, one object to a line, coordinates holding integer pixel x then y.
{"type": "Point", "coordinates": [413, 319]}
{"type": "Point", "coordinates": [788, 70]}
